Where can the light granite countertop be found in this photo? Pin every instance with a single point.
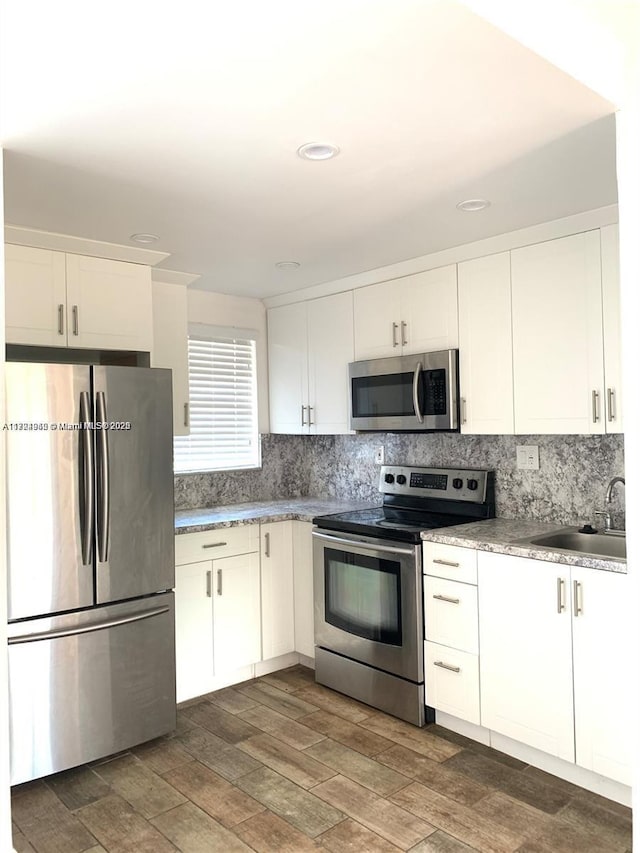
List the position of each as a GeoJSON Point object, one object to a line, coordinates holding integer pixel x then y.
{"type": "Point", "coordinates": [299, 509]}
{"type": "Point", "coordinates": [499, 535]}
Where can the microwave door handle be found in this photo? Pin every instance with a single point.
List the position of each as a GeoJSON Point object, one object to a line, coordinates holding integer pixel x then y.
{"type": "Point", "coordinates": [416, 400]}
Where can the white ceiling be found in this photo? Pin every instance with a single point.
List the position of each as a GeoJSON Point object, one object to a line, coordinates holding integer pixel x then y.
{"type": "Point", "coordinates": [120, 118]}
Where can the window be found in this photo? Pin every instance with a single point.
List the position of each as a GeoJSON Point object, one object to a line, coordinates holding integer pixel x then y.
{"type": "Point", "coordinates": [223, 409]}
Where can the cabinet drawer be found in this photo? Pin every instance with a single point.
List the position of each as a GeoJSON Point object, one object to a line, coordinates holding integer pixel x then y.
{"type": "Point", "coordinates": [450, 561]}
{"type": "Point", "coordinates": [451, 614]}
{"type": "Point", "coordinates": [214, 544]}
{"type": "Point", "coordinates": [452, 682]}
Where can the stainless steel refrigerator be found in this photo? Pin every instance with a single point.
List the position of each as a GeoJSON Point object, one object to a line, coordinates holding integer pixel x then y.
{"type": "Point", "coordinates": [91, 562]}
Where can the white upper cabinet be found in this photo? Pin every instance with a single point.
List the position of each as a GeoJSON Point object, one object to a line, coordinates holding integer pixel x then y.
{"type": "Point", "coordinates": [310, 347]}
{"type": "Point", "coordinates": [111, 304]}
{"type": "Point", "coordinates": [611, 321]}
{"type": "Point", "coordinates": [170, 346]}
{"type": "Point", "coordinates": [330, 338]}
{"type": "Point", "coordinates": [36, 298]}
{"type": "Point", "coordinates": [557, 336]}
{"type": "Point", "coordinates": [58, 299]}
{"type": "Point", "coordinates": [417, 313]}
{"type": "Point", "coordinates": [486, 354]}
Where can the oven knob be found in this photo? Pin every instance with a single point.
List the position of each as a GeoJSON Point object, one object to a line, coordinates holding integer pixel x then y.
{"type": "Point", "coordinates": [401, 479]}
{"type": "Point", "coordinates": [457, 483]}
{"type": "Point", "coordinates": [472, 485]}
{"type": "Point", "coordinates": [389, 478]}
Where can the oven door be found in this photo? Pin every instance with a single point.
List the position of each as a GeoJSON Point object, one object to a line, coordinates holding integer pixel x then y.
{"type": "Point", "coordinates": [368, 603]}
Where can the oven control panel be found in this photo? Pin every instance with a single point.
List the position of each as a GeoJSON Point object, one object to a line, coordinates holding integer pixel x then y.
{"type": "Point", "coordinates": [458, 484]}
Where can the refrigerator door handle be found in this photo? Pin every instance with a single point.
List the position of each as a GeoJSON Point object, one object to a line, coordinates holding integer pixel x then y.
{"type": "Point", "coordinates": [87, 495]}
{"type": "Point", "coordinates": [103, 477]}
{"type": "Point", "coordinates": [86, 629]}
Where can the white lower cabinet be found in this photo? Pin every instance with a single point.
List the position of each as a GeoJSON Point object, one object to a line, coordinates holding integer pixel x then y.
{"type": "Point", "coordinates": [236, 612]}
{"type": "Point", "coordinates": [451, 631]}
{"type": "Point", "coordinates": [603, 672]}
{"type": "Point", "coordinates": [303, 588]}
{"type": "Point", "coordinates": [194, 629]}
{"type": "Point", "coordinates": [525, 651]}
{"type": "Point", "coordinates": [554, 659]}
{"type": "Point", "coordinates": [276, 571]}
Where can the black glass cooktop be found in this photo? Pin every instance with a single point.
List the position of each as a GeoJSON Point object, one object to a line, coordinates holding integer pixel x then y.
{"type": "Point", "coordinates": [386, 523]}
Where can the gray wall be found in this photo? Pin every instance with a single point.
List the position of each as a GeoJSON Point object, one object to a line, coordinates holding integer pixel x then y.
{"type": "Point", "coordinates": [570, 485]}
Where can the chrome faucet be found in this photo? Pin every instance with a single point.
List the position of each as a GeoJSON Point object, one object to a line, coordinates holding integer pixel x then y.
{"type": "Point", "coordinates": [612, 483]}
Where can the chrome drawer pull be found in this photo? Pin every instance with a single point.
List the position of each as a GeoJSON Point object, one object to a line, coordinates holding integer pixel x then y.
{"type": "Point", "coordinates": [446, 598]}
{"type": "Point", "coordinates": [446, 666]}
{"type": "Point", "coordinates": [215, 545]}
{"type": "Point", "coordinates": [446, 563]}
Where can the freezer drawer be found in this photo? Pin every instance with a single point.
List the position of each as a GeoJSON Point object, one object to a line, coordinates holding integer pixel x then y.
{"type": "Point", "coordinates": [88, 684]}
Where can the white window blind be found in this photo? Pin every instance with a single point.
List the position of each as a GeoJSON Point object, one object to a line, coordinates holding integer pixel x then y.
{"type": "Point", "coordinates": [223, 407]}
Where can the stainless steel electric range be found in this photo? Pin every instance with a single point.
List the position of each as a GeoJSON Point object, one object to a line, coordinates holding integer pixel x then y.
{"type": "Point", "coordinates": [367, 568]}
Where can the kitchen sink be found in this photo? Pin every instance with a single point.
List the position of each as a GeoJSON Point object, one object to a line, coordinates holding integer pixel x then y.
{"type": "Point", "coordinates": [596, 544]}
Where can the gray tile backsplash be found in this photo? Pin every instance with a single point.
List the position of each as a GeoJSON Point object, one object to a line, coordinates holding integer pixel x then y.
{"type": "Point", "coordinates": [570, 485]}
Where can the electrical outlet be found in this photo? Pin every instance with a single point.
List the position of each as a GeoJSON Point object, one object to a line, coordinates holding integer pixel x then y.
{"type": "Point", "coordinates": [380, 455]}
{"type": "Point", "coordinates": [528, 457]}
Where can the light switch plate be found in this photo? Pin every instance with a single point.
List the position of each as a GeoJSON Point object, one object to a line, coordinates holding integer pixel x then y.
{"type": "Point", "coordinates": [380, 455]}
{"type": "Point", "coordinates": [528, 457]}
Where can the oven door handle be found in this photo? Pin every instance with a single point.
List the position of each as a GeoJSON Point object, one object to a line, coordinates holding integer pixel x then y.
{"type": "Point", "coordinates": [416, 398]}
{"type": "Point", "coordinates": [364, 546]}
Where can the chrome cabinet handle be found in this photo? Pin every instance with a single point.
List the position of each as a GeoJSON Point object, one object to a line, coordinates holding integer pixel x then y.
{"type": "Point", "coordinates": [88, 496]}
{"type": "Point", "coordinates": [446, 598]}
{"type": "Point", "coordinates": [267, 544]}
{"type": "Point", "coordinates": [611, 404]}
{"type": "Point", "coordinates": [214, 545]}
{"type": "Point", "coordinates": [394, 334]}
{"type": "Point", "coordinates": [219, 577]}
{"type": "Point", "coordinates": [61, 319]}
{"type": "Point", "coordinates": [302, 420]}
{"type": "Point", "coordinates": [595, 406]}
{"type": "Point", "coordinates": [577, 598]}
{"type": "Point", "coordinates": [403, 337]}
{"type": "Point", "coordinates": [446, 563]}
{"type": "Point", "coordinates": [560, 594]}
{"type": "Point", "coordinates": [209, 584]}
{"type": "Point", "coordinates": [416, 401]}
{"type": "Point", "coordinates": [448, 666]}
{"type": "Point", "coordinates": [310, 422]}
{"type": "Point", "coordinates": [103, 479]}
{"type": "Point", "coordinates": [186, 414]}
{"type": "Point", "coordinates": [76, 321]}
{"type": "Point", "coordinates": [463, 409]}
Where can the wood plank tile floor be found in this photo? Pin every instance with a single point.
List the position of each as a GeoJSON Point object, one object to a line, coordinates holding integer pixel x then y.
{"type": "Point", "coordinates": [281, 764]}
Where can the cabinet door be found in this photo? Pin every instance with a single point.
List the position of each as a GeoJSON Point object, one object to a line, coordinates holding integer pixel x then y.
{"type": "Point", "coordinates": [376, 313]}
{"type": "Point", "coordinates": [557, 336]}
{"type": "Point", "coordinates": [170, 346]}
{"type": "Point", "coordinates": [194, 630]}
{"type": "Point", "coordinates": [611, 322]}
{"type": "Point", "coordinates": [429, 310]}
{"type": "Point", "coordinates": [603, 638]}
{"type": "Point", "coordinates": [276, 580]}
{"type": "Point", "coordinates": [526, 683]}
{"type": "Point", "coordinates": [109, 304]}
{"type": "Point", "coordinates": [303, 588]}
{"type": "Point", "coordinates": [330, 330]}
{"type": "Point", "coordinates": [486, 353]}
{"type": "Point", "coordinates": [236, 612]}
{"type": "Point", "coordinates": [35, 296]}
{"type": "Point", "coordinates": [288, 371]}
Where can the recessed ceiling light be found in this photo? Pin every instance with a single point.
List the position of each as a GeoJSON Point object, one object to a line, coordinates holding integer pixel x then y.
{"type": "Point", "coordinates": [318, 151]}
{"type": "Point", "coordinates": [144, 238]}
{"type": "Point", "coordinates": [472, 205]}
{"type": "Point", "coordinates": [287, 265]}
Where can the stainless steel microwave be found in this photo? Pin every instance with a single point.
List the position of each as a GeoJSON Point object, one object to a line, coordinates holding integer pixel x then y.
{"type": "Point", "coordinates": [408, 392]}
